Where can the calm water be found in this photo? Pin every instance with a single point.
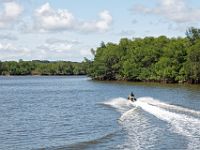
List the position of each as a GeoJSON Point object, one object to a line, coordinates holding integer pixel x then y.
{"type": "Point", "coordinates": [77, 113]}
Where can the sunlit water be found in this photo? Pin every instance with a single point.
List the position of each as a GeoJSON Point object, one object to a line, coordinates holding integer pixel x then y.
{"type": "Point", "coordinates": [78, 113]}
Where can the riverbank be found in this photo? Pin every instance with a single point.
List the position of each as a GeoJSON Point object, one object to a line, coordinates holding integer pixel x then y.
{"type": "Point", "coordinates": [150, 81]}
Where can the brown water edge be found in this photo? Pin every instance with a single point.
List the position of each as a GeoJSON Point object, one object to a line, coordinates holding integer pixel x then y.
{"type": "Point", "coordinates": [186, 85]}
{"type": "Point", "coordinates": [166, 81]}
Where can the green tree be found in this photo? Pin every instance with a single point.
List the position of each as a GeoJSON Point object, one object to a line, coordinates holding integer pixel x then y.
{"type": "Point", "coordinates": [193, 34]}
{"type": "Point", "coordinates": [193, 62]}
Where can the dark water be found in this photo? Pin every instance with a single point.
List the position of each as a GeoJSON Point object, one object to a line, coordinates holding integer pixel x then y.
{"type": "Point", "coordinates": [77, 113]}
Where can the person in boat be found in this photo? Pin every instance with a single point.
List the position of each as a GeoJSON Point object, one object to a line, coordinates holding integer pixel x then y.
{"type": "Point", "coordinates": [131, 97]}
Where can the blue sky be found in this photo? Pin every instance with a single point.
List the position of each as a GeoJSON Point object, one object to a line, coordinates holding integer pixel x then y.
{"type": "Point", "coordinates": [67, 30]}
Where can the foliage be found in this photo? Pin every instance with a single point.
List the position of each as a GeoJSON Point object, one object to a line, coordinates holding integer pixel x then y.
{"type": "Point", "coordinates": [37, 67]}
{"type": "Point", "coordinates": [159, 59]}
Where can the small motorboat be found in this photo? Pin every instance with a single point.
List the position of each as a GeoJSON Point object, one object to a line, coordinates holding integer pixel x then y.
{"type": "Point", "coordinates": [131, 97]}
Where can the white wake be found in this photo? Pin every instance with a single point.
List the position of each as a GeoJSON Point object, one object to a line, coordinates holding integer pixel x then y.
{"type": "Point", "coordinates": [183, 121]}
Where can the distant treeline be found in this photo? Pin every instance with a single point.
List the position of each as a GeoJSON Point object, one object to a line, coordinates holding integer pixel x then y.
{"type": "Point", "coordinates": [37, 67]}
{"type": "Point", "coordinates": [160, 59]}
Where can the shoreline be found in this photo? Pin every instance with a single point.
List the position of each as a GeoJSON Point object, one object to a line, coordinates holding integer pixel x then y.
{"type": "Point", "coordinates": [156, 82]}
{"type": "Point", "coordinates": [108, 81]}
{"type": "Point", "coordinates": [39, 75]}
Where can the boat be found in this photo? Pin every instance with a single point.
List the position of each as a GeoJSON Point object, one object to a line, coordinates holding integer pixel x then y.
{"type": "Point", "coordinates": [131, 97]}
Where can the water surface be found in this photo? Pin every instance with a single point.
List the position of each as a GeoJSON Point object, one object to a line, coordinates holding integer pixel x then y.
{"type": "Point", "coordinates": [78, 113]}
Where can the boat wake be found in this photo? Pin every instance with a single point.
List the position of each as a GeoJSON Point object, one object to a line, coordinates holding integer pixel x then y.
{"type": "Point", "coordinates": [120, 104]}
{"type": "Point", "coordinates": [183, 121]}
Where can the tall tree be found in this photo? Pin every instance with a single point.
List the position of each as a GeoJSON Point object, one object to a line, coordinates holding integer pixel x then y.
{"type": "Point", "coordinates": [193, 34]}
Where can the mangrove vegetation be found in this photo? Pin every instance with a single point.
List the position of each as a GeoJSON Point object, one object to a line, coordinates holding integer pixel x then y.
{"type": "Point", "coordinates": [152, 59]}
{"type": "Point", "coordinates": [38, 67]}
{"type": "Point", "coordinates": [156, 59]}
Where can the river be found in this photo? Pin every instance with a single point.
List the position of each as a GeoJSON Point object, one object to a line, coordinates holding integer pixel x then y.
{"type": "Point", "coordinates": [74, 112]}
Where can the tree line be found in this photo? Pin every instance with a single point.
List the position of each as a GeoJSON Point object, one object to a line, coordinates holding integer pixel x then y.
{"type": "Point", "coordinates": [156, 59]}
{"type": "Point", "coordinates": [38, 67]}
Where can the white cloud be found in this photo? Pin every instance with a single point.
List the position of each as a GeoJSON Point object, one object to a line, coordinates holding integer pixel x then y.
{"type": "Point", "coordinates": [86, 53]}
{"type": "Point", "coordinates": [14, 45]}
{"type": "Point", "coordinates": [6, 46]}
{"type": "Point", "coordinates": [11, 12]}
{"type": "Point", "coordinates": [57, 48]}
{"type": "Point", "coordinates": [8, 36]}
{"type": "Point", "coordinates": [10, 52]}
{"type": "Point", "coordinates": [55, 41]}
{"type": "Point", "coordinates": [59, 51]}
{"type": "Point", "coordinates": [105, 21]}
{"type": "Point", "coordinates": [175, 10]}
{"type": "Point", "coordinates": [101, 25]}
{"type": "Point", "coordinates": [49, 19]}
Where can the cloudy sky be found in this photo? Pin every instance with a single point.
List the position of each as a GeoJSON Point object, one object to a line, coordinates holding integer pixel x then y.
{"type": "Point", "coordinates": [68, 29]}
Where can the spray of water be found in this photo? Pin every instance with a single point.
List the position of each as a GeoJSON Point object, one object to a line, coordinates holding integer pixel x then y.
{"type": "Point", "coordinates": [183, 121]}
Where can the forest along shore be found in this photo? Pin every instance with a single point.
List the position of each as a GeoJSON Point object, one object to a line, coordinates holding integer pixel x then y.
{"type": "Point", "coordinates": [38, 67]}
{"type": "Point", "coordinates": [149, 59]}
{"type": "Point", "coordinates": [157, 59]}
